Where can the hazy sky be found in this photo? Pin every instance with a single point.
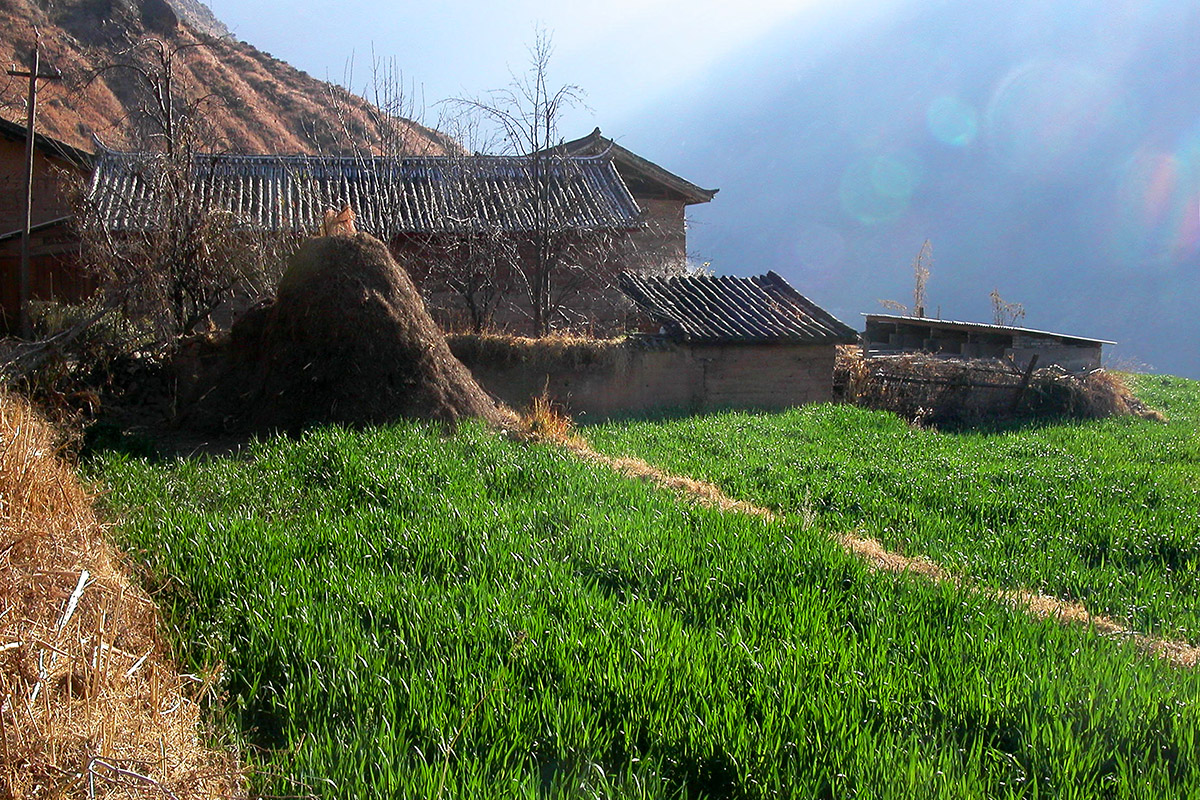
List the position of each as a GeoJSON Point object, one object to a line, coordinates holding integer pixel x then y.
{"type": "Point", "coordinates": [624, 54]}
{"type": "Point", "coordinates": [1049, 148]}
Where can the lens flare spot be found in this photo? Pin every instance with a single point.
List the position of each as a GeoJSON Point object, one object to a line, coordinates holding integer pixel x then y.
{"type": "Point", "coordinates": [892, 178]}
{"type": "Point", "coordinates": [1045, 115]}
{"type": "Point", "coordinates": [952, 122]}
{"type": "Point", "coordinates": [1157, 214]}
{"type": "Point", "coordinates": [879, 189]}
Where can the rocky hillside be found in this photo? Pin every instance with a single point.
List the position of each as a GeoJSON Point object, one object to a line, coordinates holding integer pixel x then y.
{"type": "Point", "coordinates": [253, 103]}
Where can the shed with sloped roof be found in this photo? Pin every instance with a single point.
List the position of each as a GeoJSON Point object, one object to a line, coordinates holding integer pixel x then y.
{"type": "Point", "coordinates": [751, 342]}
{"type": "Point", "coordinates": [890, 333]}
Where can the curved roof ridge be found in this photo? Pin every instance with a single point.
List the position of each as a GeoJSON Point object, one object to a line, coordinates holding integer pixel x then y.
{"type": "Point", "coordinates": [692, 193]}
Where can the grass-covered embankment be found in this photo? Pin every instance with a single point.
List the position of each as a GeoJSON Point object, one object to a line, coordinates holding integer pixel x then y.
{"type": "Point", "coordinates": [1103, 512]}
{"type": "Point", "coordinates": [409, 615]}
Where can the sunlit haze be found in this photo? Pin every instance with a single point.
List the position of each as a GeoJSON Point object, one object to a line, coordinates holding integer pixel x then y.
{"type": "Point", "coordinates": [623, 54]}
{"type": "Point", "coordinates": [1049, 149]}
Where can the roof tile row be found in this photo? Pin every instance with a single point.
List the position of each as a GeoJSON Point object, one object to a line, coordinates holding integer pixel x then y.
{"type": "Point", "coordinates": [707, 309]}
{"type": "Point", "coordinates": [429, 194]}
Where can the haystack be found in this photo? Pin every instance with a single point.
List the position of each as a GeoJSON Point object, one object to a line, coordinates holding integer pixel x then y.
{"type": "Point", "coordinates": [347, 341]}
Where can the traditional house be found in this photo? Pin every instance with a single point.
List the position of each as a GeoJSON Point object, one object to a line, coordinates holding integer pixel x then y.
{"type": "Point", "coordinates": [663, 197]}
{"type": "Point", "coordinates": [57, 167]}
{"type": "Point", "coordinates": [888, 333]}
{"type": "Point", "coordinates": [467, 227]}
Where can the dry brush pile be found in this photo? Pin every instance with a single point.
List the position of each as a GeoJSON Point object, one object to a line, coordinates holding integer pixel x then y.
{"type": "Point", "coordinates": [90, 703]}
{"type": "Point", "coordinates": [936, 390]}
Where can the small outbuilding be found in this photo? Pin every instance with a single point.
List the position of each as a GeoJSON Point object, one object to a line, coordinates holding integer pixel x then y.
{"type": "Point", "coordinates": [697, 343]}
{"type": "Point", "coordinates": [888, 333]}
{"type": "Point", "coordinates": [743, 342]}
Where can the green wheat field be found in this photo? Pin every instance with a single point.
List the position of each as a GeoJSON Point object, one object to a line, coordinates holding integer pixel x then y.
{"type": "Point", "coordinates": [402, 613]}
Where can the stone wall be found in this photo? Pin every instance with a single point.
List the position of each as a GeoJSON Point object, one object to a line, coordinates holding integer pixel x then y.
{"type": "Point", "coordinates": [598, 382]}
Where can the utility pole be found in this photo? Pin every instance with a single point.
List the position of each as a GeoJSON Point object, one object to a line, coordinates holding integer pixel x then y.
{"type": "Point", "coordinates": [34, 76]}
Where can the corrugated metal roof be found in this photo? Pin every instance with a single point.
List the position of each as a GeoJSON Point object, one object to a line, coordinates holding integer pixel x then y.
{"type": "Point", "coordinates": [430, 194]}
{"type": "Point", "coordinates": [983, 327]}
{"type": "Point", "coordinates": [765, 308]}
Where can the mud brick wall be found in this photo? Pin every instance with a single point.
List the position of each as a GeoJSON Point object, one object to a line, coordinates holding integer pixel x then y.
{"type": "Point", "coordinates": [635, 378]}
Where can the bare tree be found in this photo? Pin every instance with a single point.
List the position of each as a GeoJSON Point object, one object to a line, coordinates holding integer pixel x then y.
{"type": "Point", "coordinates": [479, 263]}
{"type": "Point", "coordinates": [525, 116]}
{"type": "Point", "coordinates": [920, 278]}
{"type": "Point", "coordinates": [1004, 313]}
{"type": "Point", "coordinates": [179, 255]}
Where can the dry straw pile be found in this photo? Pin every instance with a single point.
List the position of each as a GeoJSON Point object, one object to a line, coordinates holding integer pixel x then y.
{"type": "Point", "coordinates": [90, 704]}
{"type": "Point", "coordinates": [935, 390]}
{"type": "Point", "coordinates": [346, 341]}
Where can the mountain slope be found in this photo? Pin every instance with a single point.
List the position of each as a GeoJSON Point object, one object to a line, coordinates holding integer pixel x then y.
{"type": "Point", "coordinates": [254, 103]}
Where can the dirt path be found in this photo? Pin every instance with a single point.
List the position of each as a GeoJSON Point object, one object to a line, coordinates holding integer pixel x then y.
{"type": "Point", "coordinates": [1037, 605]}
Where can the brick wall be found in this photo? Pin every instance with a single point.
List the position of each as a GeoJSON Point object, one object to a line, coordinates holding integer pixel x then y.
{"type": "Point", "coordinates": [50, 186]}
{"type": "Point", "coordinates": [637, 378]}
{"type": "Point", "coordinates": [54, 253]}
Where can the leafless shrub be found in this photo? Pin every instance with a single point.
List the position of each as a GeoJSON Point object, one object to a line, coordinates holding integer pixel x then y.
{"type": "Point", "coordinates": [1004, 313]}
{"type": "Point", "coordinates": [181, 257]}
{"type": "Point", "coordinates": [394, 115]}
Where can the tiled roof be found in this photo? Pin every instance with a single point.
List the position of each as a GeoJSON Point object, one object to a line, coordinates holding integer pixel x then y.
{"type": "Point", "coordinates": [595, 143]}
{"type": "Point", "coordinates": [765, 308]}
{"type": "Point", "coordinates": [430, 194]}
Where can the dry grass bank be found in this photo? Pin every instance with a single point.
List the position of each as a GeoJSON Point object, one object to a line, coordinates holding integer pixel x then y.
{"type": "Point", "coordinates": [90, 702]}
